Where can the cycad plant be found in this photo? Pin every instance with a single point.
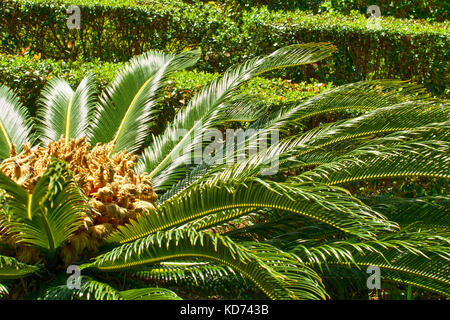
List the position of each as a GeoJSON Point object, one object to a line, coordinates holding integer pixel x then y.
{"type": "Point", "coordinates": [310, 195]}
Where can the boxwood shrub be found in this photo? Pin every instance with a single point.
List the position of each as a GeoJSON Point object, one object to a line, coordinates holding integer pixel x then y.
{"type": "Point", "coordinates": [27, 74]}
{"type": "Point", "coordinates": [116, 30]}
{"type": "Point", "coordinates": [433, 10]}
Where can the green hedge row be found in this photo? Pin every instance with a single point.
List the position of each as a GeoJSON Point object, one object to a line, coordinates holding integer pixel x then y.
{"type": "Point", "coordinates": [115, 31]}
{"type": "Point", "coordinates": [387, 48]}
{"type": "Point", "coordinates": [27, 75]}
{"type": "Point", "coordinates": [433, 10]}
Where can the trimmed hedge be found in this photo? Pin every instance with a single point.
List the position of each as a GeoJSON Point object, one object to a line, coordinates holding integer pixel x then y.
{"type": "Point", "coordinates": [115, 32]}
{"type": "Point", "coordinates": [386, 49]}
{"type": "Point", "coordinates": [27, 75]}
{"type": "Point", "coordinates": [433, 10]}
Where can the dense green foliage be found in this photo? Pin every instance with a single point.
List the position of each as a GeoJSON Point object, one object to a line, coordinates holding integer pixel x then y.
{"type": "Point", "coordinates": [359, 176]}
{"type": "Point", "coordinates": [434, 10]}
{"type": "Point", "coordinates": [388, 48]}
{"type": "Point", "coordinates": [28, 75]}
{"type": "Point", "coordinates": [306, 231]}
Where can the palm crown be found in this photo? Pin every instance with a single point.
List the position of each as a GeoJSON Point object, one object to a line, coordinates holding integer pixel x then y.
{"type": "Point", "coordinates": [292, 218]}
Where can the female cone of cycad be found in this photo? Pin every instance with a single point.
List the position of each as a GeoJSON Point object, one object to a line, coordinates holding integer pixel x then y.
{"type": "Point", "coordinates": [116, 194]}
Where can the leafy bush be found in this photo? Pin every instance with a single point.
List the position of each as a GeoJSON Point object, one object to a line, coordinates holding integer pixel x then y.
{"type": "Point", "coordinates": [387, 48]}
{"type": "Point", "coordinates": [434, 10]}
{"type": "Point", "coordinates": [113, 32]}
{"type": "Point", "coordinates": [27, 75]}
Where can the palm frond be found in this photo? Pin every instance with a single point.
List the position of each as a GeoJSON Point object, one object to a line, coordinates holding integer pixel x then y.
{"type": "Point", "coordinates": [162, 158]}
{"type": "Point", "coordinates": [394, 99]}
{"type": "Point", "coordinates": [283, 230]}
{"type": "Point", "coordinates": [64, 112]}
{"type": "Point", "coordinates": [3, 291]}
{"type": "Point", "coordinates": [127, 106]}
{"type": "Point", "coordinates": [423, 212]}
{"type": "Point", "coordinates": [428, 272]}
{"type": "Point", "coordinates": [90, 289]}
{"type": "Point", "coordinates": [185, 272]}
{"type": "Point", "coordinates": [149, 294]}
{"type": "Point", "coordinates": [243, 108]}
{"type": "Point", "coordinates": [362, 96]}
{"type": "Point", "coordinates": [47, 217]}
{"type": "Point", "coordinates": [377, 161]}
{"type": "Point", "coordinates": [332, 140]}
{"type": "Point", "coordinates": [15, 123]}
{"type": "Point", "coordinates": [329, 205]}
{"type": "Point", "coordinates": [11, 268]}
{"type": "Point", "coordinates": [270, 271]}
{"type": "Point", "coordinates": [419, 258]}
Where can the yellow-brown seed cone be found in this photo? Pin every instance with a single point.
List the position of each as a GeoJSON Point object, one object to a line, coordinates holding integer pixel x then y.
{"type": "Point", "coordinates": [116, 193]}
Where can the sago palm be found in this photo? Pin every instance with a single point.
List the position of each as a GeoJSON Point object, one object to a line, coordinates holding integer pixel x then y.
{"type": "Point", "coordinates": [300, 217]}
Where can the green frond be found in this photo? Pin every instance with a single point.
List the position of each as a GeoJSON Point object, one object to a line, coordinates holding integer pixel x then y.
{"type": "Point", "coordinates": [271, 272]}
{"type": "Point", "coordinates": [284, 230]}
{"type": "Point", "coordinates": [149, 294]}
{"type": "Point", "coordinates": [397, 100]}
{"type": "Point", "coordinates": [15, 123]}
{"type": "Point", "coordinates": [168, 151]}
{"type": "Point", "coordinates": [11, 268]}
{"type": "Point", "coordinates": [419, 258]}
{"type": "Point", "coordinates": [326, 143]}
{"type": "Point", "coordinates": [50, 215]}
{"type": "Point", "coordinates": [424, 212]}
{"type": "Point", "coordinates": [332, 206]}
{"type": "Point", "coordinates": [127, 106]}
{"type": "Point", "coordinates": [428, 159]}
{"type": "Point", "coordinates": [3, 291]}
{"type": "Point", "coordinates": [429, 273]}
{"type": "Point", "coordinates": [90, 289]}
{"type": "Point", "coordinates": [219, 218]}
{"type": "Point", "coordinates": [243, 108]}
{"type": "Point", "coordinates": [185, 272]}
{"type": "Point", "coordinates": [64, 112]}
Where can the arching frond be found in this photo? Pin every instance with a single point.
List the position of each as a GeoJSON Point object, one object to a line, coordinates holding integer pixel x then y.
{"type": "Point", "coordinates": [127, 106]}
{"type": "Point", "coordinates": [48, 216]}
{"type": "Point", "coordinates": [11, 268]}
{"type": "Point", "coordinates": [376, 161]}
{"type": "Point", "coordinates": [419, 258]}
{"type": "Point", "coordinates": [269, 268]}
{"type": "Point", "coordinates": [331, 141]}
{"type": "Point", "coordinates": [424, 212]}
{"type": "Point", "coordinates": [64, 112]}
{"type": "Point", "coordinates": [430, 273]}
{"type": "Point", "coordinates": [162, 158]}
{"type": "Point", "coordinates": [394, 99]}
{"type": "Point", "coordinates": [283, 230]}
{"type": "Point", "coordinates": [15, 123]}
{"type": "Point", "coordinates": [149, 294]}
{"type": "Point", "coordinates": [90, 289]}
{"type": "Point", "coordinates": [329, 205]}
{"type": "Point", "coordinates": [185, 272]}
{"type": "Point", "coordinates": [363, 96]}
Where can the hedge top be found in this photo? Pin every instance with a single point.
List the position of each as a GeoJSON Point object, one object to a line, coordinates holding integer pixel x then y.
{"type": "Point", "coordinates": [340, 22]}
